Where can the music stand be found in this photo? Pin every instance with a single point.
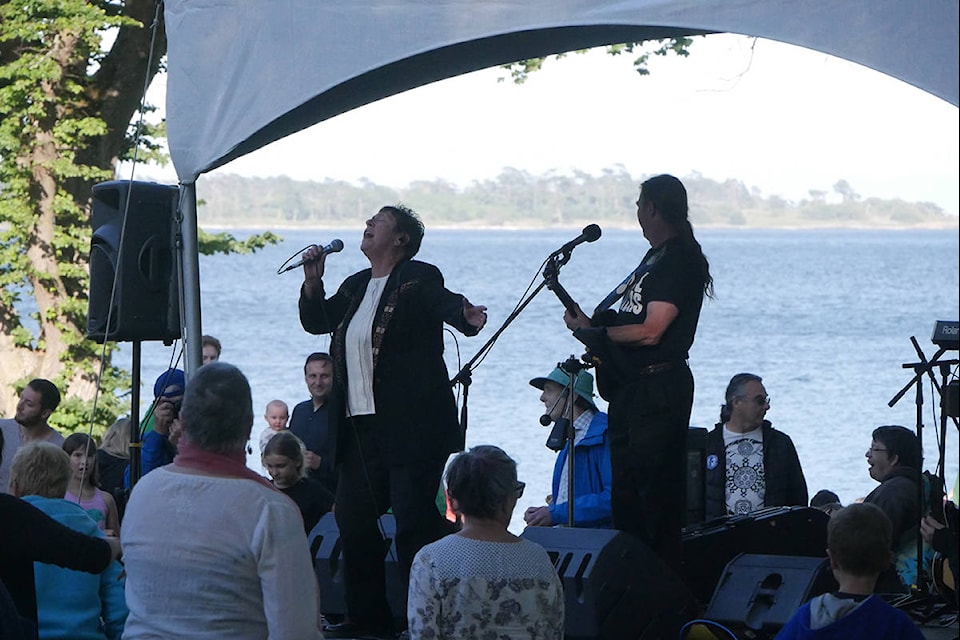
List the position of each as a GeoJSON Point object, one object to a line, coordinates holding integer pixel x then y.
{"type": "Point", "coordinates": [925, 368]}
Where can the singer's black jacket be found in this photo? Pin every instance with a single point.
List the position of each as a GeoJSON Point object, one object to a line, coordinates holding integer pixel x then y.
{"type": "Point", "coordinates": [416, 410]}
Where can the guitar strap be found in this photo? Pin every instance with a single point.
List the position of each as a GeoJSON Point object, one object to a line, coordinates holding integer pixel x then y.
{"type": "Point", "coordinates": [648, 263]}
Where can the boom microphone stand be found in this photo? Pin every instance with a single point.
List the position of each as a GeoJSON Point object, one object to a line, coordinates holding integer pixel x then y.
{"type": "Point", "coordinates": [550, 271]}
{"type": "Point", "coordinates": [921, 368]}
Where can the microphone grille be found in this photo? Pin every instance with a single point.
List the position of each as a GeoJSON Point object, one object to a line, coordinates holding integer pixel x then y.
{"type": "Point", "coordinates": [591, 232]}
{"type": "Point", "coordinates": [336, 245]}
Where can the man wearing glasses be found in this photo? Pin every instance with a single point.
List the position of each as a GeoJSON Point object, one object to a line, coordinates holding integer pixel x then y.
{"type": "Point", "coordinates": [750, 465]}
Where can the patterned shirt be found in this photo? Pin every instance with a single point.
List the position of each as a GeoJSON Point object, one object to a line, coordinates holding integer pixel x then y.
{"type": "Point", "coordinates": [746, 483]}
{"type": "Point", "coordinates": [476, 589]}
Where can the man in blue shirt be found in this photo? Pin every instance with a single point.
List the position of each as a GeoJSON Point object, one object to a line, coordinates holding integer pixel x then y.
{"type": "Point", "coordinates": [310, 420]}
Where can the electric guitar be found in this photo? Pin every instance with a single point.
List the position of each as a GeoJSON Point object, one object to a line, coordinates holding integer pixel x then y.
{"type": "Point", "coordinates": [608, 358]}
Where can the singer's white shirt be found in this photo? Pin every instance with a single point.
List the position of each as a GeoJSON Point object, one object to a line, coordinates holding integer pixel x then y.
{"type": "Point", "coordinates": [358, 350]}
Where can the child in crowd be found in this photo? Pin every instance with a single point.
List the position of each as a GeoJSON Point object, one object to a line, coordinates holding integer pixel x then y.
{"type": "Point", "coordinates": [858, 545]}
{"type": "Point", "coordinates": [70, 604]}
{"type": "Point", "coordinates": [284, 459]}
{"type": "Point", "coordinates": [276, 415]}
{"type": "Point", "coordinates": [83, 487]}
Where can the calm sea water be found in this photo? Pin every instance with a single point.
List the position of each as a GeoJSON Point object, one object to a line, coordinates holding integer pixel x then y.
{"type": "Point", "coordinates": [825, 317]}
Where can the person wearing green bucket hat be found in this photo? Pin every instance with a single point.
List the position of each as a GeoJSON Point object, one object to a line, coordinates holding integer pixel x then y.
{"type": "Point", "coordinates": [592, 475]}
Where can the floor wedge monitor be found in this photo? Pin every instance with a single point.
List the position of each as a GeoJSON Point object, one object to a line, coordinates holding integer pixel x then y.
{"type": "Point", "coordinates": [614, 586]}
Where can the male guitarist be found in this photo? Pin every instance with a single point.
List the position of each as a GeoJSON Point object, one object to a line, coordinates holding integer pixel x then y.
{"type": "Point", "coordinates": [641, 354]}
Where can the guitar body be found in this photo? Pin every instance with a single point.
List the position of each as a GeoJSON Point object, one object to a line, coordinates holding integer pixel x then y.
{"type": "Point", "coordinates": [943, 579]}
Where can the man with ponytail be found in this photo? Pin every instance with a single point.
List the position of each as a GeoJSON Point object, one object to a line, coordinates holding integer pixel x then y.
{"type": "Point", "coordinates": [641, 351]}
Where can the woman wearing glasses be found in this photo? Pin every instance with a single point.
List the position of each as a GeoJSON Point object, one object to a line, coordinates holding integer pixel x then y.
{"type": "Point", "coordinates": [484, 581]}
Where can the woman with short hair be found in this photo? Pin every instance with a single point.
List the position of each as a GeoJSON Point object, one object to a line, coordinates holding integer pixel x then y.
{"type": "Point", "coordinates": [212, 550]}
{"type": "Point", "coordinates": [483, 581]}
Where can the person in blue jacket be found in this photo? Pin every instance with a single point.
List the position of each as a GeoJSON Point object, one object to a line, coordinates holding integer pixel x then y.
{"type": "Point", "coordinates": [70, 604]}
{"type": "Point", "coordinates": [591, 472]}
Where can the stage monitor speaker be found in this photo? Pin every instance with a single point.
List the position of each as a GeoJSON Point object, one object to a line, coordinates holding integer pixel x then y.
{"type": "Point", "coordinates": [696, 475]}
{"type": "Point", "coordinates": [614, 586]}
{"type": "Point", "coordinates": [327, 553]}
{"type": "Point", "coordinates": [757, 594]}
{"type": "Point", "coordinates": [784, 531]}
{"type": "Point", "coordinates": [146, 303]}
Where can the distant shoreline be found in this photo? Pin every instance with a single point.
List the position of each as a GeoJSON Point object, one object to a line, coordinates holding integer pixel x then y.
{"type": "Point", "coordinates": [947, 225]}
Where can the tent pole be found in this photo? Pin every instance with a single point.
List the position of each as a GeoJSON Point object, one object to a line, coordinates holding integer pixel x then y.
{"type": "Point", "coordinates": [190, 289]}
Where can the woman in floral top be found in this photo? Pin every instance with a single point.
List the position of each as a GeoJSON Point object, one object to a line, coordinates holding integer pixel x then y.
{"type": "Point", "coordinates": [484, 582]}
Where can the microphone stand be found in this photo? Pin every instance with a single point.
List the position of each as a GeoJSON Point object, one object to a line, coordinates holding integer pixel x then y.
{"type": "Point", "coordinates": [463, 377]}
{"type": "Point", "coordinates": [572, 367]}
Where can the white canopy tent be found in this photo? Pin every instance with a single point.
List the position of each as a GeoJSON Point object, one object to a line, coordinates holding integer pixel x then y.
{"type": "Point", "coordinates": [244, 73]}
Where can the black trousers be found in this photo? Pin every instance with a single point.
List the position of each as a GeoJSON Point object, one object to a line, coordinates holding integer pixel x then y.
{"type": "Point", "coordinates": [370, 483]}
{"type": "Point", "coordinates": [648, 420]}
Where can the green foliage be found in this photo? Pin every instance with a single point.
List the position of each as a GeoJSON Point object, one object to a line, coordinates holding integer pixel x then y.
{"type": "Point", "coordinates": [211, 243]}
{"type": "Point", "coordinates": [521, 69]}
{"type": "Point", "coordinates": [69, 108]}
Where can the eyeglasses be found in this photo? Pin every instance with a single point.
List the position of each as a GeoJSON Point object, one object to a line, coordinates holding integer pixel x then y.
{"type": "Point", "coordinates": [519, 488]}
{"type": "Point", "coordinates": [874, 450]}
{"type": "Point", "coordinates": [760, 400]}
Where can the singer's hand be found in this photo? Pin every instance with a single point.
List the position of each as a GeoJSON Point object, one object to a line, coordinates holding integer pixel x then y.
{"type": "Point", "coordinates": [576, 321]}
{"type": "Point", "coordinates": [475, 315]}
{"type": "Point", "coordinates": [313, 261]}
{"type": "Point", "coordinates": [537, 517]}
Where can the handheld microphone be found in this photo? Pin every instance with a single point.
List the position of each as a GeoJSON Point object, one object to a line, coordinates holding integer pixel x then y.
{"type": "Point", "coordinates": [545, 419]}
{"type": "Point", "coordinates": [590, 233]}
{"type": "Point", "coordinates": [333, 247]}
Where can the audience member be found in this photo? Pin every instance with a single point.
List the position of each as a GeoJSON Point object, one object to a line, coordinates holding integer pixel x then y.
{"type": "Point", "coordinates": [84, 480]}
{"type": "Point", "coordinates": [161, 430]}
{"type": "Point", "coordinates": [113, 456]}
{"type": "Point", "coordinates": [310, 420]}
{"type": "Point", "coordinates": [38, 400]}
{"type": "Point", "coordinates": [827, 501]}
{"type": "Point", "coordinates": [284, 458]}
{"type": "Point", "coordinates": [483, 581]}
{"type": "Point", "coordinates": [858, 545]}
{"type": "Point", "coordinates": [210, 349]}
{"type": "Point", "coordinates": [235, 572]}
{"type": "Point", "coordinates": [29, 535]}
{"type": "Point", "coordinates": [894, 460]}
{"type": "Point", "coordinates": [9, 443]}
{"type": "Point", "coordinates": [276, 416]}
{"type": "Point", "coordinates": [592, 476]}
{"type": "Point", "coordinates": [750, 465]}
{"type": "Point", "coordinates": [70, 604]}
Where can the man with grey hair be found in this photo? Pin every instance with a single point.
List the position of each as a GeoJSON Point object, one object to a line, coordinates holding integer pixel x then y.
{"type": "Point", "coordinates": [244, 572]}
{"type": "Point", "coordinates": [750, 465]}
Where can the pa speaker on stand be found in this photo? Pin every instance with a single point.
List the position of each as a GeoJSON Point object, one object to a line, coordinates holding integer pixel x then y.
{"type": "Point", "coordinates": [133, 232]}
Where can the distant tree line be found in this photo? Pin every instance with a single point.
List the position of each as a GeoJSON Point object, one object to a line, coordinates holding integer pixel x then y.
{"type": "Point", "coordinates": [516, 198]}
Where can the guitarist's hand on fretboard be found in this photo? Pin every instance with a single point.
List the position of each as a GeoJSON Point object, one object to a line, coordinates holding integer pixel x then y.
{"type": "Point", "coordinates": [575, 318]}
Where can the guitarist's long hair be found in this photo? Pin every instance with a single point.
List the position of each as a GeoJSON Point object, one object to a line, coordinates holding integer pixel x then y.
{"type": "Point", "coordinates": [669, 197]}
